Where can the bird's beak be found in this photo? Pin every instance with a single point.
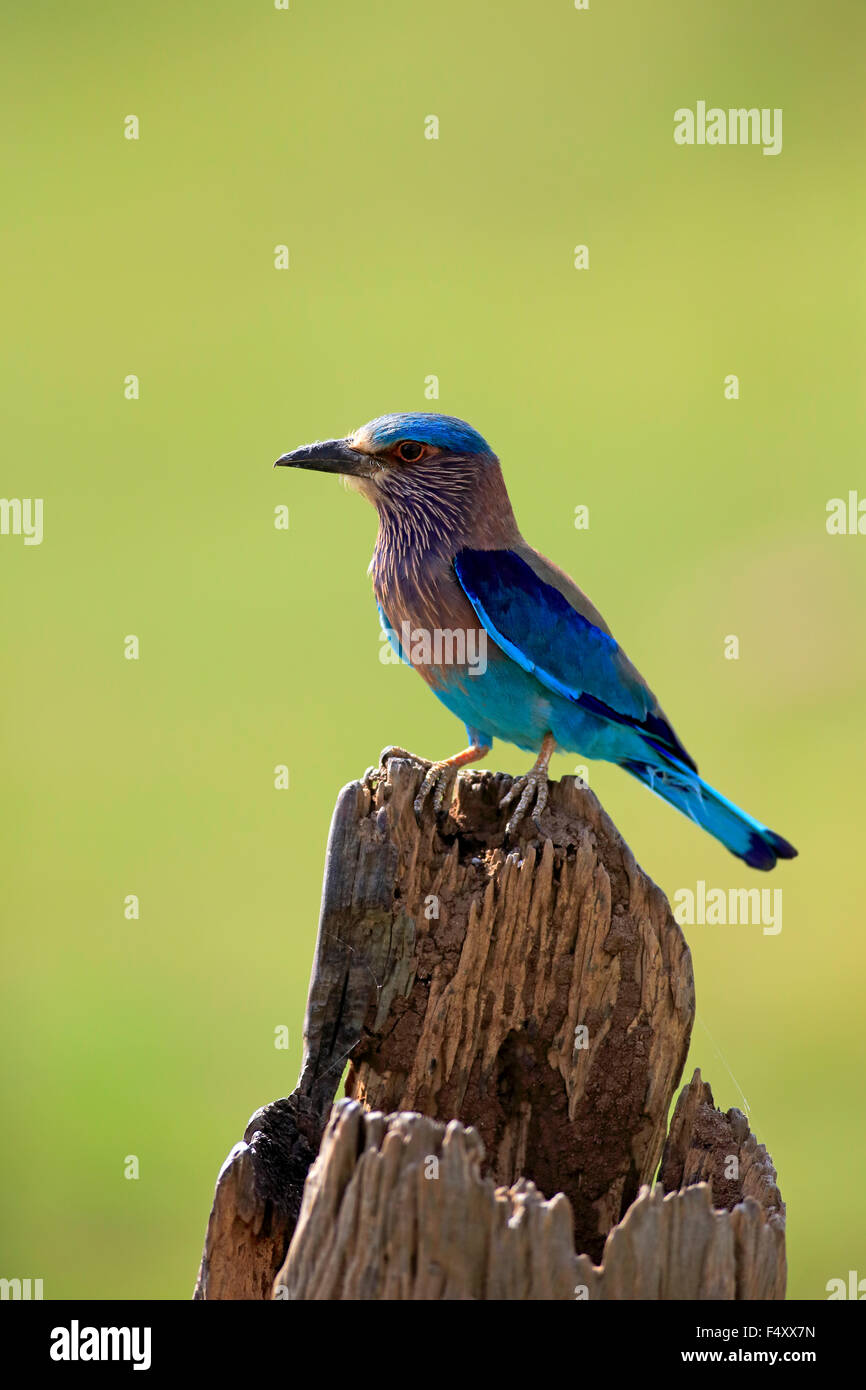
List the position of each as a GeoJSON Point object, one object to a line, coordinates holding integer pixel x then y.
{"type": "Point", "coordinates": [334, 456]}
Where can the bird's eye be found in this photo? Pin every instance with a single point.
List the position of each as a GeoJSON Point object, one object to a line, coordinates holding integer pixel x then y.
{"type": "Point", "coordinates": [409, 451]}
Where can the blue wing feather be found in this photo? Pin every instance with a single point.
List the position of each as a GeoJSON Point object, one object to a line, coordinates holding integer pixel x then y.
{"type": "Point", "coordinates": [538, 628]}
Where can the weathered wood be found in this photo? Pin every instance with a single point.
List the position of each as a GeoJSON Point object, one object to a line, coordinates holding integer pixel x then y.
{"type": "Point", "coordinates": [396, 1208]}
{"type": "Point", "coordinates": [256, 1202]}
{"type": "Point", "coordinates": [666, 1247]}
{"type": "Point", "coordinates": [705, 1145]}
{"type": "Point", "coordinates": [541, 992]}
{"type": "Point", "coordinates": [537, 997]}
{"type": "Point", "coordinates": [259, 1188]}
{"type": "Point", "coordinates": [720, 1230]}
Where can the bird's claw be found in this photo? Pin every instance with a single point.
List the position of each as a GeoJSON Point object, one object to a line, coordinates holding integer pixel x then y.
{"type": "Point", "coordinates": [437, 780]}
{"type": "Point", "coordinates": [373, 775]}
{"type": "Point", "coordinates": [532, 786]}
{"type": "Point", "coordinates": [392, 751]}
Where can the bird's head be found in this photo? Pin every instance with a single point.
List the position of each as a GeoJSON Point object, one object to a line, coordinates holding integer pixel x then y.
{"type": "Point", "coordinates": [400, 461]}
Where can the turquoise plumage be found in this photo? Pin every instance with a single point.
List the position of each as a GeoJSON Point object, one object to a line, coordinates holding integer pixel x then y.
{"type": "Point", "coordinates": [450, 564]}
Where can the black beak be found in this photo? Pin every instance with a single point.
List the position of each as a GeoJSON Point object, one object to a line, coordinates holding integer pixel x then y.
{"type": "Point", "coordinates": [334, 456]}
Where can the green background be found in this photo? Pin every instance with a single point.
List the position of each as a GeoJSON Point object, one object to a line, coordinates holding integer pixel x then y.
{"type": "Point", "coordinates": [409, 257]}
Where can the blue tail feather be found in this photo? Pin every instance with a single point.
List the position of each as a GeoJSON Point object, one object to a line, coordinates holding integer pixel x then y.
{"type": "Point", "coordinates": [747, 838]}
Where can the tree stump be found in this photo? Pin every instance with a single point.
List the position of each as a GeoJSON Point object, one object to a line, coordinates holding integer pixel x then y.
{"type": "Point", "coordinates": [396, 1207]}
{"type": "Point", "coordinates": [520, 1013]}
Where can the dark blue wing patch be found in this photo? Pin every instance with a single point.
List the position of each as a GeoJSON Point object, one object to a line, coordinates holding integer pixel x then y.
{"type": "Point", "coordinates": [539, 629]}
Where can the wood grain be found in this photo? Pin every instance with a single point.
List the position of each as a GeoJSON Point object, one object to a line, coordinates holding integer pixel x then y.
{"type": "Point", "coordinates": [520, 1013]}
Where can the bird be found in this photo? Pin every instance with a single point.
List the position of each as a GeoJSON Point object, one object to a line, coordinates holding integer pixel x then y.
{"type": "Point", "coordinates": [450, 559]}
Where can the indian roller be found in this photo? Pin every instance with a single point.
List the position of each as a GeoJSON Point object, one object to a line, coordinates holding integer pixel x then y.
{"type": "Point", "coordinates": [449, 559]}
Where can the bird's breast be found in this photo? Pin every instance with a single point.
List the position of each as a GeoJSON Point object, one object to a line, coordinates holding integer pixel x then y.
{"type": "Point", "coordinates": [435, 624]}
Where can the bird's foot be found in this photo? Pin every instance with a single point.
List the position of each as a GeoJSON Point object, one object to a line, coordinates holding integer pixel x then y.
{"type": "Point", "coordinates": [373, 774]}
{"type": "Point", "coordinates": [394, 752]}
{"type": "Point", "coordinates": [533, 786]}
{"type": "Point", "coordinates": [438, 781]}
{"type": "Point", "coordinates": [439, 775]}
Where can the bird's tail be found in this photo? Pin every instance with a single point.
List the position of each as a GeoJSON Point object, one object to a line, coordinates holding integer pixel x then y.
{"type": "Point", "coordinates": [738, 831]}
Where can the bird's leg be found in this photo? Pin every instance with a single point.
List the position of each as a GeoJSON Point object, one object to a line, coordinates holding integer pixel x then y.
{"type": "Point", "coordinates": [533, 784]}
{"type": "Point", "coordinates": [439, 775]}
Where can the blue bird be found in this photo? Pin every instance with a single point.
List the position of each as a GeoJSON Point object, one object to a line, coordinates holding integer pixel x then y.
{"type": "Point", "coordinates": [501, 635]}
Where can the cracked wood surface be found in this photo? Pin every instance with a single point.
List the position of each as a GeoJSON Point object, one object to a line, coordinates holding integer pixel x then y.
{"type": "Point", "coordinates": [707, 1146]}
{"type": "Point", "coordinates": [457, 973]}
{"type": "Point", "coordinates": [713, 1227]}
{"type": "Point", "coordinates": [398, 1208]}
{"type": "Point", "coordinates": [540, 992]}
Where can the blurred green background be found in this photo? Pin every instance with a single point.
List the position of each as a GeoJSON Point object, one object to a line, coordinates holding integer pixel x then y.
{"type": "Point", "coordinates": [409, 257]}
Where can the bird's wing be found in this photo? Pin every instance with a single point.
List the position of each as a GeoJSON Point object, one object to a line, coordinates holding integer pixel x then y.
{"type": "Point", "coordinates": [539, 618]}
